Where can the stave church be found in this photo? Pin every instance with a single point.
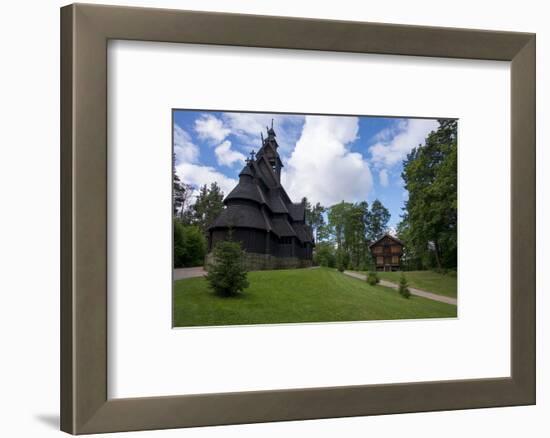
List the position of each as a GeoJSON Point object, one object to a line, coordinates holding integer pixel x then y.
{"type": "Point", "coordinates": [260, 215]}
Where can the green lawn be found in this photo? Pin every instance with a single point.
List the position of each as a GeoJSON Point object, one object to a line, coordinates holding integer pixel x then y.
{"type": "Point", "coordinates": [298, 295]}
{"type": "Point", "coordinates": [443, 284]}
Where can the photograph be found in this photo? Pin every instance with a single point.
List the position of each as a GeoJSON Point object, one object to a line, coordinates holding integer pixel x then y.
{"type": "Point", "coordinates": [304, 218]}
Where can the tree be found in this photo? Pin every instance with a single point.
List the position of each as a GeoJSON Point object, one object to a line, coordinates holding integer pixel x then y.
{"type": "Point", "coordinates": [348, 224]}
{"type": "Point", "coordinates": [337, 219]}
{"type": "Point", "coordinates": [227, 275]}
{"type": "Point", "coordinates": [378, 219]}
{"type": "Point", "coordinates": [325, 255]}
{"type": "Point", "coordinates": [372, 278]}
{"type": "Point", "coordinates": [340, 260]}
{"type": "Point", "coordinates": [404, 287]}
{"type": "Point", "coordinates": [315, 218]}
{"type": "Point", "coordinates": [208, 206]}
{"type": "Point", "coordinates": [181, 193]}
{"type": "Point", "coordinates": [189, 245]}
{"type": "Point", "coordinates": [429, 225]}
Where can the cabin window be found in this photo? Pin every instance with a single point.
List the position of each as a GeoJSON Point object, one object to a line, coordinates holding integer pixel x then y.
{"type": "Point", "coordinates": [286, 240]}
{"type": "Point", "coordinates": [379, 260]}
{"type": "Point", "coordinates": [395, 260]}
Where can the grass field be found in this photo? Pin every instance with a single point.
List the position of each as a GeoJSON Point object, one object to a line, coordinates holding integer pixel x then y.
{"type": "Point", "coordinates": [429, 281]}
{"type": "Point", "coordinates": [298, 295]}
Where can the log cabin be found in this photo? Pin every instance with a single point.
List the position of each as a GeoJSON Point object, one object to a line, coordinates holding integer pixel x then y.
{"type": "Point", "coordinates": [387, 252]}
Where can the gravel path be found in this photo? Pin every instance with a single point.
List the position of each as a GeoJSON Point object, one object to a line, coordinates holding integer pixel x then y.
{"type": "Point", "coordinates": [418, 292]}
{"type": "Point", "coordinates": [181, 273]}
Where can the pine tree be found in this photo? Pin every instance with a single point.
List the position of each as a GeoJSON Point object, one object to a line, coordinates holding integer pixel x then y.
{"type": "Point", "coordinates": [404, 287]}
{"type": "Point", "coordinates": [372, 278]}
{"type": "Point", "coordinates": [227, 274]}
{"type": "Point", "coordinates": [208, 206]}
{"type": "Point", "coordinates": [378, 219]}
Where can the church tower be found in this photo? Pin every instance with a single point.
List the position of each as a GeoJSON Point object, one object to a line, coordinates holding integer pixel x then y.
{"type": "Point", "coordinates": [270, 154]}
{"type": "Point", "coordinates": [261, 216]}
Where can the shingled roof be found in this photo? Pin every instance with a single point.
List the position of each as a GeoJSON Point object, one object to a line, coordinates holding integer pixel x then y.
{"type": "Point", "coordinates": [259, 200]}
{"type": "Point", "coordinates": [395, 239]}
{"type": "Point", "coordinates": [297, 211]}
{"type": "Point", "coordinates": [246, 190]}
{"type": "Point", "coordinates": [244, 216]}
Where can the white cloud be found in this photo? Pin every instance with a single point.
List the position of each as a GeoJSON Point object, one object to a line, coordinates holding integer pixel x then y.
{"type": "Point", "coordinates": [322, 167]}
{"type": "Point", "coordinates": [199, 175]}
{"type": "Point", "coordinates": [383, 177]}
{"type": "Point", "coordinates": [227, 156]}
{"type": "Point", "coordinates": [188, 169]}
{"type": "Point", "coordinates": [393, 144]}
{"type": "Point", "coordinates": [247, 127]}
{"type": "Point", "coordinates": [209, 127]}
{"type": "Point", "coordinates": [184, 149]}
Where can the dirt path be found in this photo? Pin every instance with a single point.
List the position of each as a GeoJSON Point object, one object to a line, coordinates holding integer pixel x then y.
{"type": "Point", "coordinates": [418, 292]}
{"type": "Point", "coordinates": [181, 273]}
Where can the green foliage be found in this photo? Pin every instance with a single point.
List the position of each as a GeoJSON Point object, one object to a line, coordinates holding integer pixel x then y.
{"type": "Point", "coordinates": [207, 207]}
{"type": "Point", "coordinates": [429, 224]}
{"type": "Point", "coordinates": [325, 255]}
{"type": "Point", "coordinates": [340, 260]}
{"type": "Point", "coordinates": [404, 287]}
{"type": "Point", "coordinates": [378, 219]}
{"type": "Point", "coordinates": [181, 193]}
{"type": "Point", "coordinates": [315, 219]}
{"type": "Point", "coordinates": [347, 223]}
{"type": "Point", "coordinates": [227, 275]}
{"type": "Point", "coordinates": [372, 278]}
{"type": "Point", "coordinates": [189, 245]}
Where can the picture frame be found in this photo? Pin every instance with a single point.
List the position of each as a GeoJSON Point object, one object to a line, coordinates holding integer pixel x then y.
{"type": "Point", "coordinates": [85, 31]}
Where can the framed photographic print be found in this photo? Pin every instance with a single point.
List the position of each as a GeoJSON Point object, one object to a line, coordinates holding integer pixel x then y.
{"type": "Point", "coordinates": [333, 255]}
{"type": "Point", "coordinates": [342, 229]}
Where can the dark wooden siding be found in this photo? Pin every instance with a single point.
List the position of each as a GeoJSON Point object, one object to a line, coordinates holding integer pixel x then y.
{"type": "Point", "coordinates": [387, 253]}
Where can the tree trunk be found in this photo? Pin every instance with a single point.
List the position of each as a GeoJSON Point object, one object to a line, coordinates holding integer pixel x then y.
{"type": "Point", "coordinates": [437, 259]}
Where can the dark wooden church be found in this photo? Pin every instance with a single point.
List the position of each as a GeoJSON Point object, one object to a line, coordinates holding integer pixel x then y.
{"type": "Point", "coordinates": [260, 215]}
{"type": "Point", "coordinates": [387, 252]}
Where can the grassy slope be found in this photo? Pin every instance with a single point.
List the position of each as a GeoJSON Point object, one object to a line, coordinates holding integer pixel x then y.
{"type": "Point", "coordinates": [426, 280]}
{"type": "Point", "coordinates": [306, 295]}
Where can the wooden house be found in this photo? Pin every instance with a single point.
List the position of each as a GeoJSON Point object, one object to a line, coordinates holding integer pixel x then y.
{"type": "Point", "coordinates": [387, 252]}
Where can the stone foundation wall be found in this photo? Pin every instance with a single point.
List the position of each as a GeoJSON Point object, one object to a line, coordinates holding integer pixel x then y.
{"type": "Point", "coordinates": [261, 262]}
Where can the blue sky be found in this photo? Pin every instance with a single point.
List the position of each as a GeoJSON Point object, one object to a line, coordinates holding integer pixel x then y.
{"type": "Point", "coordinates": [326, 158]}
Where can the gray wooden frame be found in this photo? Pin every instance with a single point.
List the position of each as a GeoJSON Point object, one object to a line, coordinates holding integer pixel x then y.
{"type": "Point", "coordinates": [85, 30]}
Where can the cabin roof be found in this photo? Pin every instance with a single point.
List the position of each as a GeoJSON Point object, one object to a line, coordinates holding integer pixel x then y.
{"type": "Point", "coordinates": [395, 239]}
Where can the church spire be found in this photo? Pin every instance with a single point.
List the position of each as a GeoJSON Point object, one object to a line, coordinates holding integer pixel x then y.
{"type": "Point", "coordinates": [271, 133]}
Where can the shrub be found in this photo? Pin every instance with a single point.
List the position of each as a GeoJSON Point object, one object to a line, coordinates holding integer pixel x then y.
{"type": "Point", "coordinates": [227, 273]}
{"type": "Point", "coordinates": [189, 245]}
{"type": "Point", "coordinates": [404, 287]}
{"type": "Point", "coordinates": [324, 255]}
{"type": "Point", "coordinates": [372, 278]}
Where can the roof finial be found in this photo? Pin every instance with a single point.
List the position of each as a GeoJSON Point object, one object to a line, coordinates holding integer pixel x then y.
{"type": "Point", "coordinates": [262, 135]}
{"type": "Point", "coordinates": [270, 131]}
{"type": "Point", "coordinates": [252, 155]}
